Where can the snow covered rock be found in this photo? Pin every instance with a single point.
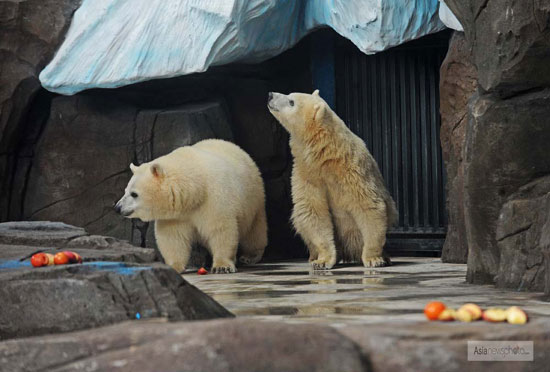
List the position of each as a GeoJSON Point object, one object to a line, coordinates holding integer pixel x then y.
{"type": "Point", "coordinates": [112, 43]}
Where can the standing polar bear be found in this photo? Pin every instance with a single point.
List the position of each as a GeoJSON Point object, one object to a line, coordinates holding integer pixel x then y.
{"type": "Point", "coordinates": [337, 189]}
{"type": "Point", "coordinates": [211, 193]}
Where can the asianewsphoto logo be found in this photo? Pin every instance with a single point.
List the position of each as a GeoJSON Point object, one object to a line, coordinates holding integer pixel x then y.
{"type": "Point", "coordinates": [500, 351]}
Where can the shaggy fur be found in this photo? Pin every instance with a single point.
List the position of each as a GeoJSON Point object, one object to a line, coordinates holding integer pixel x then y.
{"type": "Point", "coordinates": [211, 193]}
{"type": "Point", "coordinates": [338, 192]}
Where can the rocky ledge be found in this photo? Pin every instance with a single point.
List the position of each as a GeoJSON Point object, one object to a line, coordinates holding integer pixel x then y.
{"type": "Point", "coordinates": [116, 282]}
{"type": "Point", "coordinates": [244, 345]}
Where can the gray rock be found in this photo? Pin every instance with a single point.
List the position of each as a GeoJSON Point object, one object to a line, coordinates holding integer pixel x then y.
{"type": "Point", "coordinates": [458, 82]}
{"type": "Point", "coordinates": [30, 32]}
{"type": "Point", "coordinates": [441, 346]}
{"type": "Point", "coordinates": [54, 299]}
{"type": "Point", "coordinates": [545, 248]}
{"type": "Point", "coordinates": [506, 141]}
{"type": "Point", "coordinates": [19, 240]}
{"type": "Point", "coordinates": [247, 345]}
{"type": "Point", "coordinates": [510, 42]}
{"type": "Point", "coordinates": [39, 233]}
{"type": "Point", "coordinates": [506, 148]}
{"type": "Point", "coordinates": [221, 345]}
{"type": "Point", "coordinates": [162, 131]}
{"type": "Point", "coordinates": [521, 223]}
{"type": "Point", "coordinates": [80, 166]}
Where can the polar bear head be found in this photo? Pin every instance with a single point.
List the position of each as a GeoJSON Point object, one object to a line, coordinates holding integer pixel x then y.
{"type": "Point", "coordinates": [152, 193]}
{"type": "Point", "coordinates": [298, 112]}
{"type": "Point", "coordinates": [143, 196]}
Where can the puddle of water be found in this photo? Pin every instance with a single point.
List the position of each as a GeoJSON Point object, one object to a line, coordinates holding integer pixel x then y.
{"type": "Point", "coordinates": [253, 294]}
{"type": "Point", "coordinates": [117, 267]}
{"type": "Point", "coordinates": [310, 273]}
{"type": "Point", "coordinates": [13, 264]}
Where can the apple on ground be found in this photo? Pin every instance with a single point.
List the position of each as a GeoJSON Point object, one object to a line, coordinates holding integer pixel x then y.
{"type": "Point", "coordinates": [447, 315]}
{"type": "Point", "coordinates": [61, 258]}
{"type": "Point", "coordinates": [494, 314]}
{"type": "Point", "coordinates": [463, 315]}
{"type": "Point", "coordinates": [514, 315]}
{"type": "Point", "coordinates": [474, 309]}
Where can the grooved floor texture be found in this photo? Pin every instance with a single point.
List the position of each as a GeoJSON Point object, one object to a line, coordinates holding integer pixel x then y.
{"type": "Point", "coordinates": [290, 291]}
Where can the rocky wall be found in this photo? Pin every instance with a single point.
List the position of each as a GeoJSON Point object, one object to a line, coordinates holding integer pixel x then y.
{"type": "Point", "coordinates": [506, 153]}
{"type": "Point", "coordinates": [65, 158]}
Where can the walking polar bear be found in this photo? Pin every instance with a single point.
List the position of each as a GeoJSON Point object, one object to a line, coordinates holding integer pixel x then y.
{"type": "Point", "coordinates": [211, 193]}
{"type": "Point", "coordinates": [338, 192]}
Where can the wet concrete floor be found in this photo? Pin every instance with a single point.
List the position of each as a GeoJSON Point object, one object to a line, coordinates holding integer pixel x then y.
{"type": "Point", "coordinates": [292, 292]}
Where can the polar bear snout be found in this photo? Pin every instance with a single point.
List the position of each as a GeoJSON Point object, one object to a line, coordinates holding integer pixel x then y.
{"type": "Point", "coordinates": [123, 209]}
{"type": "Point", "coordinates": [277, 101]}
{"type": "Point", "coordinates": [271, 101]}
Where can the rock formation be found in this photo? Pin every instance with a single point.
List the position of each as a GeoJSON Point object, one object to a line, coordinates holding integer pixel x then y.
{"type": "Point", "coordinates": [506, 154]}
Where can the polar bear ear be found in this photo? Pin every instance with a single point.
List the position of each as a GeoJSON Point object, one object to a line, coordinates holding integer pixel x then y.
{"type": "Point", "coordinates": [318, 112]}
{"type": "Point", "coordinates": [156, 170]}
{"type": "Point", "coordinates": [133, 167]}
{"type": "Point", "coordinates": [316, 92]}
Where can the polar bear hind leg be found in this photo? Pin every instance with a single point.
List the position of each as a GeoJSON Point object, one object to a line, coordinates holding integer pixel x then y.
{"type": "Point", "coordinates": [373, 226]}
{"type": "Point", "coordinates": [254, 241]}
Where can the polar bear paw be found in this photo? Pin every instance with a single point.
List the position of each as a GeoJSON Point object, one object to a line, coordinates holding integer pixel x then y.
{"type": "Point", "coordinates": [247, 260]}
{"type": "Point", "coordinates": [378, 261]}
{"type": "Point", "coordinates": [223, 268]}
{"type": "Point", "coordinates": [312, 257]}
{"type": "Point", "coordinates": [322, 264]}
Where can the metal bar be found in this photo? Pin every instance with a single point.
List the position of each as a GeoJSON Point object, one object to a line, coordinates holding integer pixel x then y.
{"type": "Point", "coordinates": [395, 137]}
{"type": "Point", "coordinates": [424, 129]}
{"type": "Point", "coordinates": [405, 156]}
{"type": "Point", "coordinates": [415, 147]}
{"type": "Point", "coordinates": [384, 119]}
{"type": "Point", "coordinates": [375, 106]}
{"type": "Point", "coordinates": [434, 146]}
{"type": "Point", "coordinates": [355, 97]}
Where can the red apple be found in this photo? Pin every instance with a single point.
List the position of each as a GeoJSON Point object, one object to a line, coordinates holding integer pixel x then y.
{"type": "Point", "coordinates": [39, 259]}
{"type": "Point", "coordinates": [433, 309]}
{"type": "Point", "coordinates": [78, 258]}
{"type": "Point", "coordinates": [61, 258]}
{"type": "Point", "coordinates": [70, 256]}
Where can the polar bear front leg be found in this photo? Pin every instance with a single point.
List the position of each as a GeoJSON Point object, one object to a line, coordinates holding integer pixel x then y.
{"type": "Point", "coordinates": [223, 242]}
{"type": "Point", "coordinates": [311, 219]}
{"type": "Point", "coordinates": [174, 241]}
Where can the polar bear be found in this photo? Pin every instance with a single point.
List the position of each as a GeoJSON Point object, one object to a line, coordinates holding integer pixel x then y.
{"type": "Point", "coordinates": [338, 192]}
{"type": "Point", "coordinates": [210, 193]}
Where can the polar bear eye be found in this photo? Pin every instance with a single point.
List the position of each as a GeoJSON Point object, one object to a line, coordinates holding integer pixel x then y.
{"type": "Point", "coordinates": [291, 102]}
{"type": "Point", "coordinates": [133, 195]}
